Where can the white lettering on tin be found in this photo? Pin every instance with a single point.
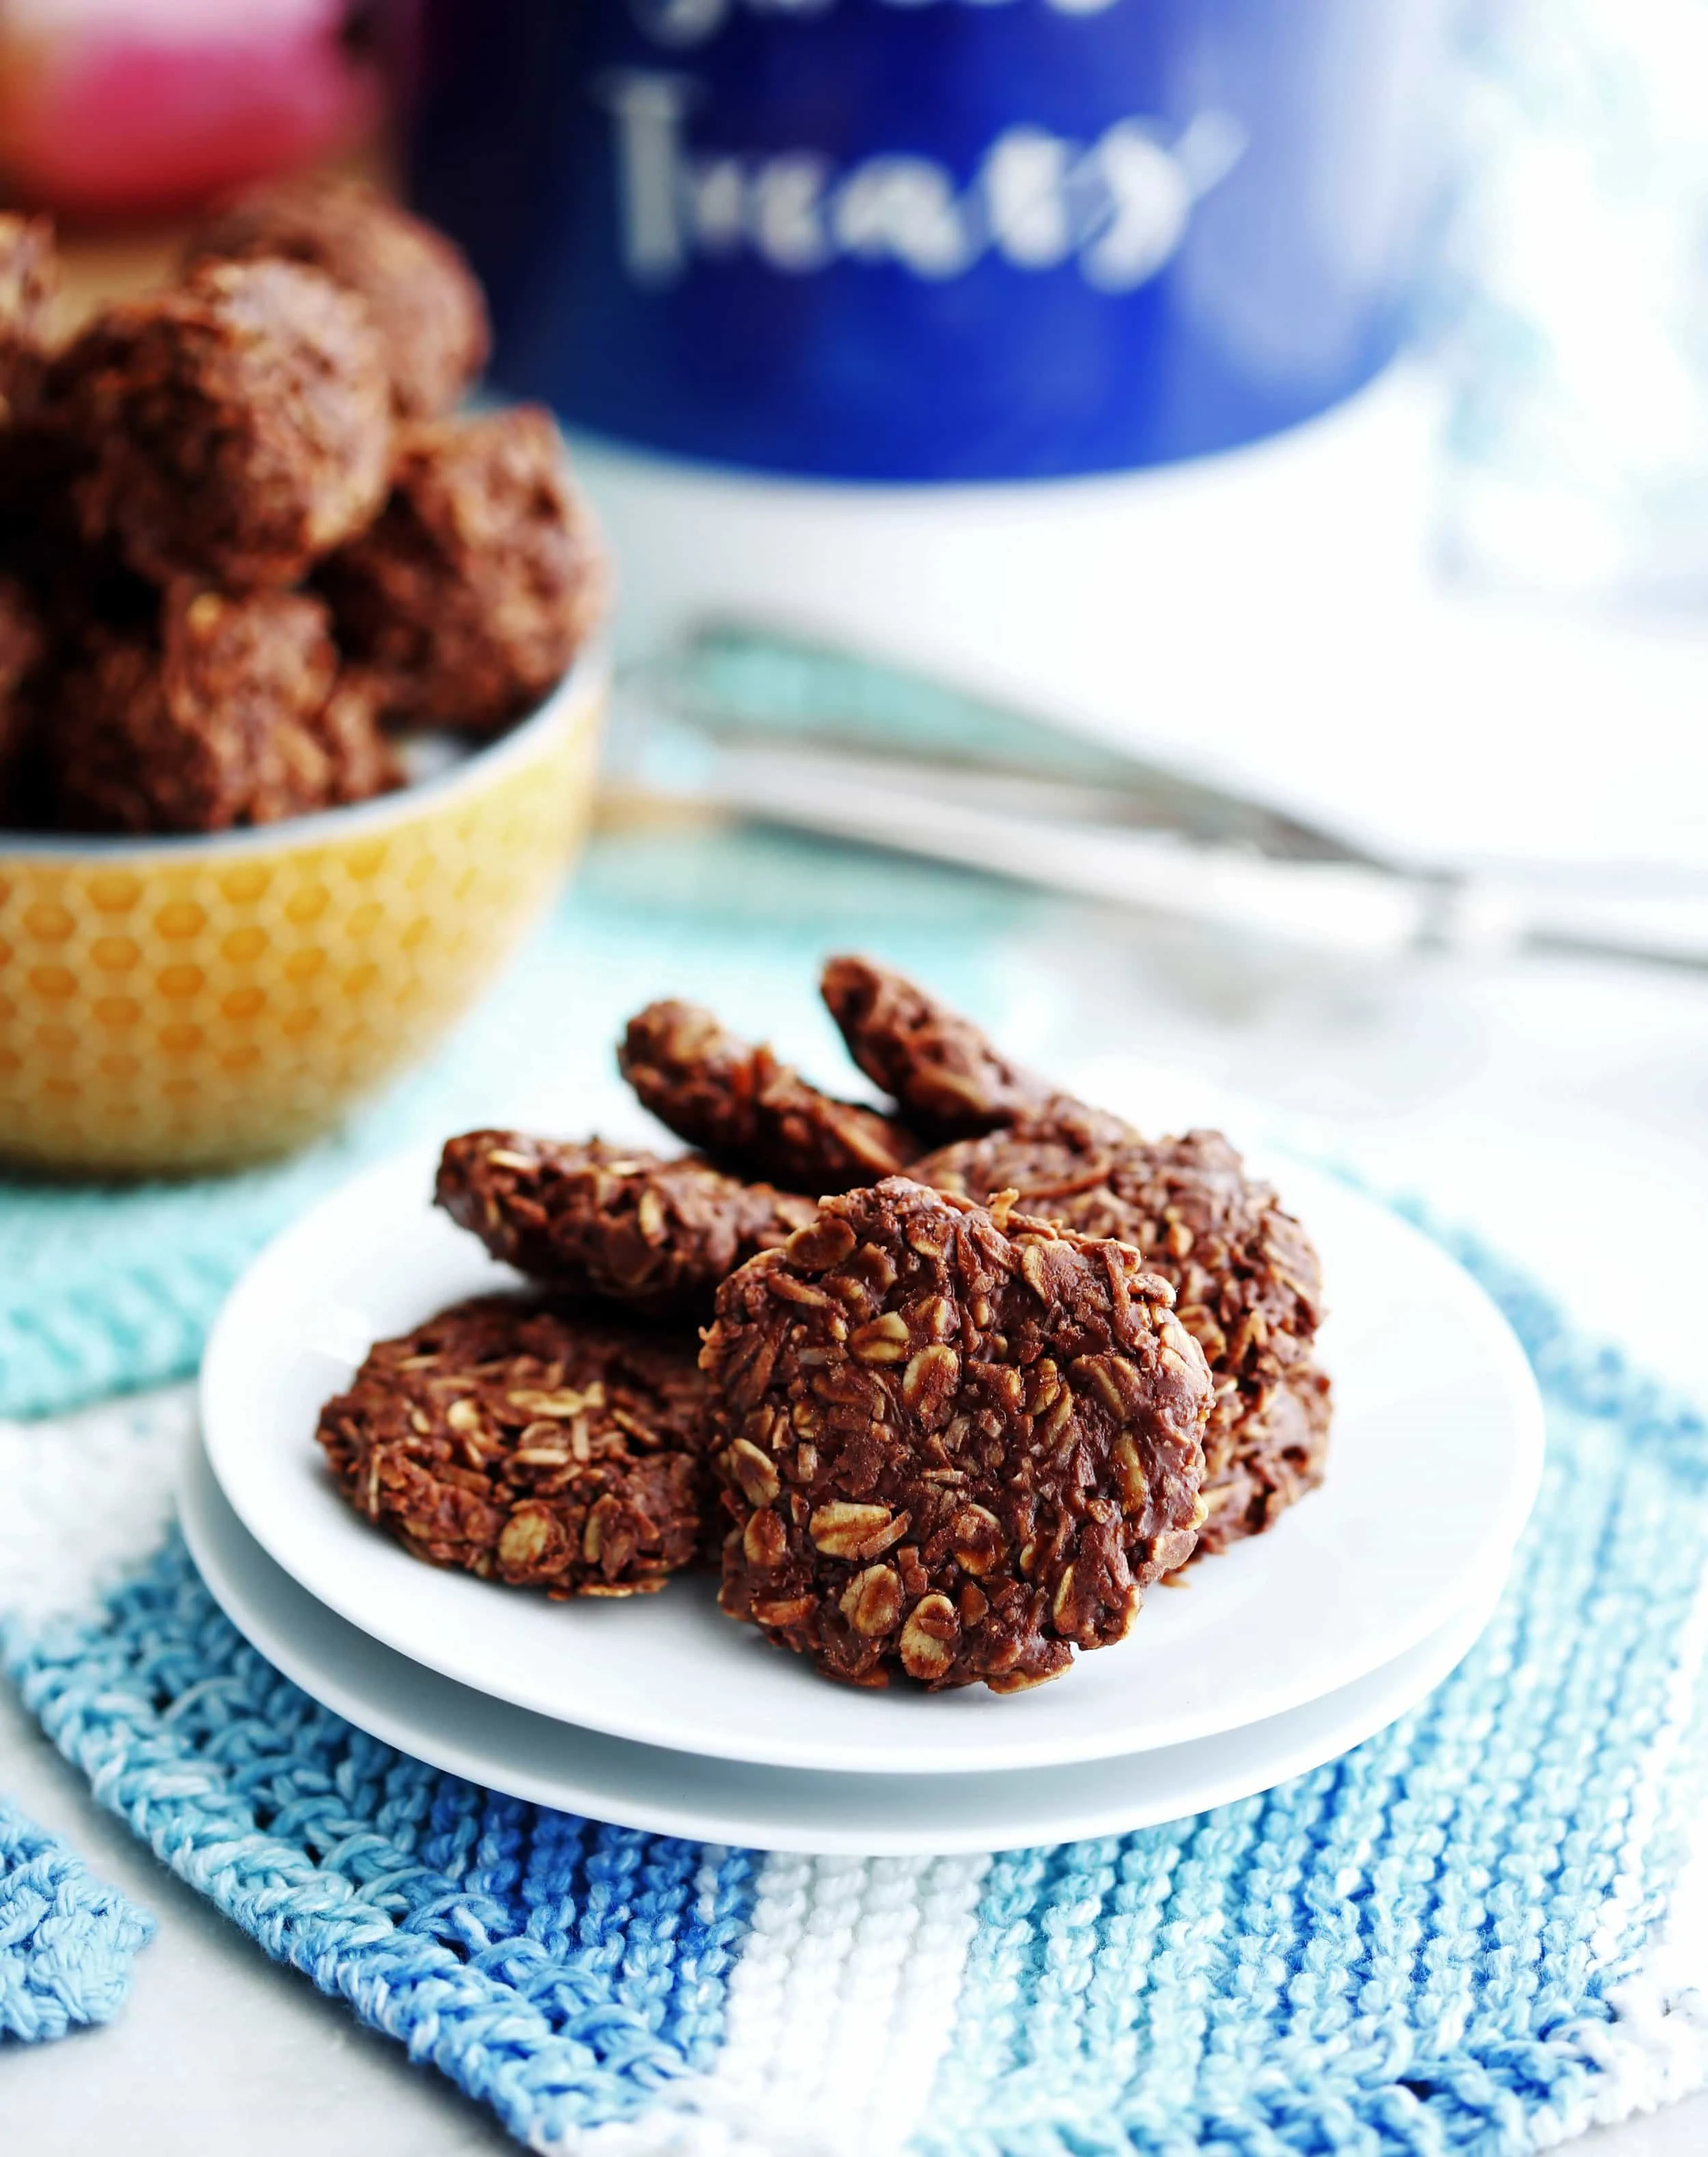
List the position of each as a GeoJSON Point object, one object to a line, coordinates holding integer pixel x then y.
{"type": "Point", "coordinates": [1026, 177]}
{"type": "Point", "coordinates": [1117, 208]}
{"type": "Point", "coordinates": [786, 212]}
{"type": "Point", "coordinates": [904, 210]}
{"type": "Point", "coordinates": [649, 110]}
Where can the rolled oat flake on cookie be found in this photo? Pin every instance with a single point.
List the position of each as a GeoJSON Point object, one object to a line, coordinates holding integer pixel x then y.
{"type": "Point", "coordinates": [955, 1443]}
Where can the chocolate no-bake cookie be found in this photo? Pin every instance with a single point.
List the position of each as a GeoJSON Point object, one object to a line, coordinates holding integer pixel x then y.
{"type": "Point", "coordinates": [419, 292]}
{"type": "Point", "coordinates": [225, 709]}
{"type": "Point", "coordinates": [21, 647]}
{"type": "Point", "coordinates": [955, 1443]}
{"type": "Point", "coordinates": [609, 1220]}
{"type": "Point", "coordinates": [478, 583]}
{"type": "Point", "coordinates": [750, 1112]}
{"type": "Point", "coordinates": [1247, 1284]}
{"type": "Point", "coordinates": [950, 1079]}
{"type": "Point", "coordinates": [1268, 1458]}
{"type": "Point", "coordinates": [29, 277]}
{"type": "Point", "coordinates": [233, 429]}
{"type": "Point", "coordinates": [42, 542]}
{"type": "Point", "coordinates": [360, 760]}
{"type": "Point", "coordinates": [535, 1445]}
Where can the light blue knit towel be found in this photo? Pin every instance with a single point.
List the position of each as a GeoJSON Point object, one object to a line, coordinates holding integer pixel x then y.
{"type": "Point", "coordinates": [66, 1941]}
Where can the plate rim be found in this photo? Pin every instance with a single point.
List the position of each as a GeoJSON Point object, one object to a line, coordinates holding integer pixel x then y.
{"type": "Point", "coordinates": [1499, 1535]}
{"type": "Point", "coordinates": [1428, 1665]}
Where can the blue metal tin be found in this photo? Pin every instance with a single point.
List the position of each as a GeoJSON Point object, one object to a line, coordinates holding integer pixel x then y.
{"type": "Point", "coordinates": [932, 240]}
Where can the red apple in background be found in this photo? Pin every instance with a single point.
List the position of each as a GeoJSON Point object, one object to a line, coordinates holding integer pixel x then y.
{"type": "Point", "coordinates": [124, 107]}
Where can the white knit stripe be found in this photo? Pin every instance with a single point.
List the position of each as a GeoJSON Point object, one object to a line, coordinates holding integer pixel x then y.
{"type": "Point", "coordinates": [787, 2034]}
{"type": "Point", "coordinates": [913, 1983]}
{"type": "Point", "coordinates": [1655, 2049]}
{"type": "Point", "coordinates": [1657, 2046]}
{"type": "Point", "coordinates": [838, 2012]}
{"type": "Point", "coordinates": [88, 1496]}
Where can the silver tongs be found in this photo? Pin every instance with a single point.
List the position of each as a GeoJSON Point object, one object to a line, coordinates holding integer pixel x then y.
{"type": "Point", "coordinates": [764, 724]}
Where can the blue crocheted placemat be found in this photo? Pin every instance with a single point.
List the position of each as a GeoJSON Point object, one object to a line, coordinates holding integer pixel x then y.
{"type": "Point", "coordinates": [1450, 1940]}
{"type": "Point", "coordinates": [1456, 1938]}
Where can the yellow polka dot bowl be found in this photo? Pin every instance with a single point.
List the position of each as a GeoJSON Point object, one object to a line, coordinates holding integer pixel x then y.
{"type": "Point", "coordinates": [180, 1004]}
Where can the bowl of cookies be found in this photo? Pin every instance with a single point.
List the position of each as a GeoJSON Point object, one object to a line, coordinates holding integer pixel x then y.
{"type": "Point", "coordinates": [300, 683]}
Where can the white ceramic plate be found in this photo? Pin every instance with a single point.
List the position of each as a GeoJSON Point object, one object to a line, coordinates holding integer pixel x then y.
{"type": "Point", "coordinates": [554, 1763]}
{"type": "Point", "coordinates": [1436, 1454]}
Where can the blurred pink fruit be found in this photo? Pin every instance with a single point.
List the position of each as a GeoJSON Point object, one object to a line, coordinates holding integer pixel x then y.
{"type": "Point", "coordinates": [132, 106]}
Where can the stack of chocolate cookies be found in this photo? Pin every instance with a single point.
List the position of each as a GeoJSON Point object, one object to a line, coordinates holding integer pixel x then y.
{"type": "Point", "coordinates": [941, 1387]}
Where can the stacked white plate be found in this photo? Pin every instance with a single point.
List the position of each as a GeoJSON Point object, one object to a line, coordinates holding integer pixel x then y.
{"type": "Point", "coordinates": [658, 1713]}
